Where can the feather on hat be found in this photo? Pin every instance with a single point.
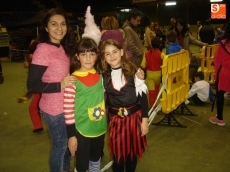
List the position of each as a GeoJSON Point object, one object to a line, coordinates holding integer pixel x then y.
{"type": "Point", "coordinates": [91, 30]}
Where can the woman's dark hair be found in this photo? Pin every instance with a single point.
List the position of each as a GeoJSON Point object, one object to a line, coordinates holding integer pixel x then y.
{"type": "Point", "coordinates": [183, 24]}
{"type": "Point", "coordinates": [128, 68]}
{"type": "Point", "coordinates": [68, 42]}
{"type": "Point", "coordinates": [84, 45]}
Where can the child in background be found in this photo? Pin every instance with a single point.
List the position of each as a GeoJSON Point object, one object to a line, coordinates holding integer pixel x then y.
{"type": "Point", "coordinates": [152, 64]}
{"type": "Point", "coordinates": [173, 46]}
{"type": "Point", "coordinates": [34, 104]}
{"type": "Point", "coordinates": [84, 106]}
{"type": "Point", "coordinates": [200, 89]}
{"type": "Point", "coordinates": [127, 107]}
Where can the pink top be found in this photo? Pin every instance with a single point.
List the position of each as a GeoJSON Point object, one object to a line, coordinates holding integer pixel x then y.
{"type": "Point", "coordinates": [222, 58]}
{"type": "Point", "coordinates": [58, 64]}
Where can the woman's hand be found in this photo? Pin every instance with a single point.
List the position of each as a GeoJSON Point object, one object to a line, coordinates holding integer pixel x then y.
{"type": "Point", "coordinates": [68, 80]}
{"type": "Point", "coordinates": [72, 145]}
{"type": "Point", "coordinates": [144, 126]}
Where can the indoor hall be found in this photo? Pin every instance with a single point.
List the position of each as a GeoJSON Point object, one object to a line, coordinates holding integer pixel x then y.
{"type": "Point", "coordinates": [201, 146]}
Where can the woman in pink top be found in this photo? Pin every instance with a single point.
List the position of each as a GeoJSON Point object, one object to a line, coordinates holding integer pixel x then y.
{"type": "Point", "coordinates": [49, 75]}
{"type": "Point", "coordinates": [222, 63]}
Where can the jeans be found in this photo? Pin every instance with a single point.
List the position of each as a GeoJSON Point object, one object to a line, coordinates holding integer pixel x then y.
{"type": "Point", "coordinates": [60, 156]}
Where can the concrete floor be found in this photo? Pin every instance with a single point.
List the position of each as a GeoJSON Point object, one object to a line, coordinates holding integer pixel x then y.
{"type": "Point", "coordinates": [201, 147]}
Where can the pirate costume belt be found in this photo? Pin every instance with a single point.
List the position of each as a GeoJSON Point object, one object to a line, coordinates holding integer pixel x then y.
{"type": "Point", "coordinates": [124, 111]}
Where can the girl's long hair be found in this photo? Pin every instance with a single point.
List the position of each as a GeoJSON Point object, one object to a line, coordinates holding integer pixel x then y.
{"type": "Point", "coordinates": [128, 68]}
{"type": "Point", "coordinates": [84, 45]}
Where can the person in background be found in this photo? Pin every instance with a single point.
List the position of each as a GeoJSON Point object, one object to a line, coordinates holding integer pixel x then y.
{"type": "Point", "coordinates": [219, 34]}
{"type": "Point", "coordinates": [199, 91]}
{"type": "Point", "coordinates": [49, 75]}
{"type": "Point", "coordinates": [173, 24]}
{"type": "Point", "coordinates": [110, 30]}
{"type": "Point", "coordinates": [207, 33]}
{"type": "Point", "coordinates": [185, 39]}
{"type": "Point", "coordinates": [188, 26]}
{"type": "Point", "coordinates": [134, 46]}
{"type": "Point", "coordinates": [127, 107]}
{"type": "Point", "coordinates": [199, 25]}
{"type": "Point", "coordinates": [222, 72]}
{"type": "Point", "coordinates": [34, 104]}
{"type": "Point", "coordinates": [160, 34]}
{"type": "Point", "coordinates": [173, 46]}
{"type": "Point", "coordinates": [149, 35]}
{"type": "Point", "coordinates": [151, 63]}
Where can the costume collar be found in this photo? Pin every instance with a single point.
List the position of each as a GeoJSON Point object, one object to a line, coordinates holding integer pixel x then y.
{"type": "Point", "coordinates": [82, 74]}
{"type": "Point", "coordinates": [116, 68]}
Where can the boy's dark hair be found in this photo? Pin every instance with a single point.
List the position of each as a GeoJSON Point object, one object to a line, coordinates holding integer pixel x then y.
{"type": "Point", "coordinates": [134, 14]}
{"type": "Point", "coordinates": [171, 36]}
{"type": "Point", "coordinates": [200, 75]}
{"type": "Point", "coordinates": [155, 42]}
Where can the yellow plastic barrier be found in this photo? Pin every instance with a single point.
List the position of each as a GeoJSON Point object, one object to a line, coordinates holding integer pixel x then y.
{"type": "Point", "coordinates": [175, 67]}
{"type": "Point", "coordinates": [207, 62]}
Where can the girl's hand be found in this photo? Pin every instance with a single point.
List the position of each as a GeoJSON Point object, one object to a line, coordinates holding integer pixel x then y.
{"type": "Point", "coordinates": [144, 126]}
{"type": "Point", "coordinates": [72, 145]}
{"type": "Point", "coordinates": [140, 74]}
{"type": "Point", "coordinates": [68, 80]}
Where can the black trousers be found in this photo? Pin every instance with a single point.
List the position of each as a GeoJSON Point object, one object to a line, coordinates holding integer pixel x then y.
{"type": "Point", "coordinates": [220, 103]}
{"type": "Point", "coordinates": [128, 166]}
{"type": "Point", "coordinates": [88, 149]}
{"type": "Point", "coordinates": [197, 100]}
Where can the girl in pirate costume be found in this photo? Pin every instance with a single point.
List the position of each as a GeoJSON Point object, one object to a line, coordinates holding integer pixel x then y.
{"type": "Point", "coordinates": [127, 106]}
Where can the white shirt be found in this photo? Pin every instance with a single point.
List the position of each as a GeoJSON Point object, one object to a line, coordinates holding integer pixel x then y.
{"type": "Point", "coordinates": [201, 88]}
{"type": "Point", "coordinates": [118, 81]}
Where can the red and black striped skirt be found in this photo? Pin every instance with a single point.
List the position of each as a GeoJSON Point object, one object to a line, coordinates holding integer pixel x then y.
{"type": "Point", "coordinates": [125, 136]}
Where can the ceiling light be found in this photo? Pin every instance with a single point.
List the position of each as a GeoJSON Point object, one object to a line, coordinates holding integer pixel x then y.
{"type": "Point", "coordinates": [216, 0]}
{"type": "Point", "coordinates": [125, 10]}
{"type": "Point", "coordinates": [170, 3]}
